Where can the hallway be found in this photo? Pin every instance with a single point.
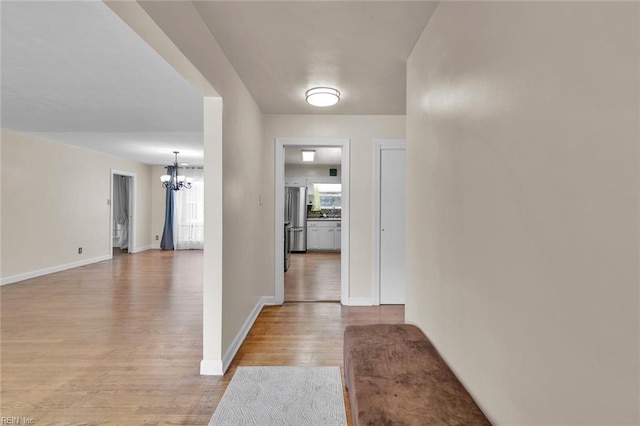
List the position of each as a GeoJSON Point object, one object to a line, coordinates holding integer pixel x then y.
{"type": "Point", "coordinates": [313, 277]}
{"type": "Point", "coordinates": [120, 342]}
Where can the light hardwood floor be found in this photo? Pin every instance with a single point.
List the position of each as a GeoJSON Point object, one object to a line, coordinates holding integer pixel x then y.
{"type": "Point", "coordinates": [120, 342]}
{"type": "Point", "coordinates": [313, 277]}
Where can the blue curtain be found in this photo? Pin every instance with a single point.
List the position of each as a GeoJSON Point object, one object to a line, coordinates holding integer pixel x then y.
{"type": "Point", "coordinates": [167, 233]}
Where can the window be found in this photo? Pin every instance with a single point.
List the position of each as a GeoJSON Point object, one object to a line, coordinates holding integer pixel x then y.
{"type": "Point", "coordinates": [327, 196]}
{"type": "Point", "coordinates": [189, 219]}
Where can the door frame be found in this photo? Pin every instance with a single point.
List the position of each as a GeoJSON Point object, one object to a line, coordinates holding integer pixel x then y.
{"type": "Point", "coordinates": [132, 210]}
{"type": "Point", "coordinates": [380, 145]}
{"type": "Point", "coordinates": [280, 144]}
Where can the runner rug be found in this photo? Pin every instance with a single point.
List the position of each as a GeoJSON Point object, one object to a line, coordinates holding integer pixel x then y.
{"type": "Point", "coordinates": [282, 396]}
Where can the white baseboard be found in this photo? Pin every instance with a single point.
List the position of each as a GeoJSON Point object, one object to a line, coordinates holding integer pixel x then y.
{"type": "Point", "coordinates": [237, 342]}
{"type": "Point", "coordinates": [211, 367]}
{"type": "Point", "coordinates": [51, 270]}
{"type": "Point", "coordinates": [359, 301]}
{"type": "Point", "coordinates": [140, 249]}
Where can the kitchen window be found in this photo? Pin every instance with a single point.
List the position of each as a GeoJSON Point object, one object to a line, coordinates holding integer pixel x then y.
{"type": "Point", "coordinates": [326, 196]}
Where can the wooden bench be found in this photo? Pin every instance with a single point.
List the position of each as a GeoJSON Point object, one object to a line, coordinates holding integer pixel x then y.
{"type": "Point", "coordinates": [395, 376]}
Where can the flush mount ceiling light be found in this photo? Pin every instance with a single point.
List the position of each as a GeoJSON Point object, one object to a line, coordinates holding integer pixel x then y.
{"type": "Point", "coordinates": [322, 96]}
{"type": "Point", "coordinates": [174, 180]}
{"type": "Point", "coordinates": [308, 155]}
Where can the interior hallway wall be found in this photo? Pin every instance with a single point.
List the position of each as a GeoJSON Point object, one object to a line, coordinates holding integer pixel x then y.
{"type": "Point", "coordinates": [361, 130]}
{"type": "Point", "coordinates": [235, 175]}
{"type": "Point", "coordinates": [522, 143]}
{"type": "Point", "coordinates": [54, 200]}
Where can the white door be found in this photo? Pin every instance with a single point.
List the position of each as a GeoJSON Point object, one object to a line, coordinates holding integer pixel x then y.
{"type": "Point", "coordinates": [392, 226]}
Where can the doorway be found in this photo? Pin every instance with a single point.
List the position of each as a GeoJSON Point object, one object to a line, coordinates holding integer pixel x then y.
{"type": "Point", "coordinates": [320, 265]}
{"type": "Point", "coordinates": [122, 218]}
{"type": "Point", "coordinates": [313, 277]}
{"type": "Point", "coordinates": [313, 219]}
{"type": "Point", "coordinates": [389, 222]}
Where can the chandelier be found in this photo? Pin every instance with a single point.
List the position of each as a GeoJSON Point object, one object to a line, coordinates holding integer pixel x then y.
{"type": "Point", "coordinates": [176, 181]}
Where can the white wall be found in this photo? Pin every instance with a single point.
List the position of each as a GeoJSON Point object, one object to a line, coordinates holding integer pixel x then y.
{"type": "Point", "coordinates": [1, 211]}
{"type": "Point", "coordinates": [236, 268]}
{"type": "Point", "coordinates": [54, 200]}
{"type": "Point", "coordinates": [304, 170]}
{"type": "Point", "coordinates": [362, 130]}
{"type": "Point", "coordinates": [522, 138]}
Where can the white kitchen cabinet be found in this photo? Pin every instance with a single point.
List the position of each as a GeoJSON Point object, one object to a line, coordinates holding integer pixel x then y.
{"type": "Point", "coordinates": [322, 179]}
{"type": "Point", "coordinates": [326, 238]}
{"type": "Point", "coordinates": [312, 237]}
{"type": "Point", "coordinates": [323, 235]}
{"type": "Point", "coordinates": [295, 181]}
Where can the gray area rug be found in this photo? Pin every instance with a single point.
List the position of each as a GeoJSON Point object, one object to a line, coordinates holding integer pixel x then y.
{"type": "Point", "coordinates": [282, 396]}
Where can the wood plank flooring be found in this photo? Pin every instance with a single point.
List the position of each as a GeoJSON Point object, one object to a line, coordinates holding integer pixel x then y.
{"type": "Point", "coordinates": [120, 342]}
{"type": "Point", "coordinates": [313, 277]}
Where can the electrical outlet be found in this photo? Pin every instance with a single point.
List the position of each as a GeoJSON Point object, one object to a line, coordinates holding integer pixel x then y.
{"type": "Point", "coordinates": [79, 250]}
{"type": "Point", "coordinates": [157, 237]}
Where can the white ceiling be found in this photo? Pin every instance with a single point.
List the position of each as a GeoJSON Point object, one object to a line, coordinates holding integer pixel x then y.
{"type": "Point", "coordinates": [72, 71]}
{"type": "Point", "coordinates": [75, 73]}
{"type": "Point", "coordinates": [324, 155]}
{"type": "Point", "coordinates": [280, 49]}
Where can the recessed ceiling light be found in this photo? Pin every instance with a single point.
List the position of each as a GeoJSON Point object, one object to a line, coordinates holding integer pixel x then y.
{"type": "Point", "coordinates": [308, 155]}
{"type": "Point", "coordinates": [322, 96]}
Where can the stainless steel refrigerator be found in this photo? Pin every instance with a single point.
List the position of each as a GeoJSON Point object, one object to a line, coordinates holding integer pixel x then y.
{"type": "Point", "coordinates": [295, 211]}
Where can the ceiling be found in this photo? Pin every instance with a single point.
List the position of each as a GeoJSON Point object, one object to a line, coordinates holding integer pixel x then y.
{"type": "Point", "coordinates": [325, 156]}
{"type": "Point", "coordinates": [76, 73]}
{"type": "Point", "coordinates": [280, 49]}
